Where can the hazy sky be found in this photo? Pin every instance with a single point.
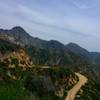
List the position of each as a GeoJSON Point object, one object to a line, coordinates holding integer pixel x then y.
{"type": "Point", "coordinates": [64, 20]}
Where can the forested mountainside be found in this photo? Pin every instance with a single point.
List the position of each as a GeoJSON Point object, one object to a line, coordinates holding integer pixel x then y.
{"type": "Point", "coordinates": [42, 69]}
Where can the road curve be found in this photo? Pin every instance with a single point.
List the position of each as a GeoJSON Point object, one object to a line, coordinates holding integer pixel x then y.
{"type": "Point", "coordinates": [72, 93]}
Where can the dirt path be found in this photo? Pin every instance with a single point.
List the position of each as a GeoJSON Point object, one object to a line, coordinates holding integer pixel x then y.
{"type": "Point", "coordinates": [72, 93]}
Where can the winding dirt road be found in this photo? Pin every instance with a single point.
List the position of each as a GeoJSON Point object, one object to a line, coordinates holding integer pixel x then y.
{"type": "Point", "coordinates": [72, 93]}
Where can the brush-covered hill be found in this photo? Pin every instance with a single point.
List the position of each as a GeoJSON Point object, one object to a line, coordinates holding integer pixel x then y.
{"type": "Point", "coordinates": [30, 64]}
{"type": "Point", "coordinates": [22, 79]}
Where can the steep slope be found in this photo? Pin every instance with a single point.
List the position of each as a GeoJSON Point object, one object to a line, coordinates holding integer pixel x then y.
{"type": "Point", "coordinates": [90, 91]}
{"type": "Point", "coordinates": [6, 46]}
{"type": "Point", "coordinates": [19, 36]}
{"type": "Point", "coordinates": [78, 50]}
{"type": "Point", "coordinates": [96, 57]}
{"type": "Point", "coordinates": [55, 57]}
{"type": "Point", "coordinates": [72, 93]}
{"type": "Point", "coordinates": [92, 57]}
{"type": "Point", "coordinates": [13, 60]}
{"type": "Point", "coordinates": [17, 74]}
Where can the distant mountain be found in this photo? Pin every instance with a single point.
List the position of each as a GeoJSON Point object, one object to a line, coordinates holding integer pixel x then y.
{"type": "Point", "coordinates": [79, 50]}
{"type": "Point", "coordinates": [93, 57]}
{"type": "Point", "coordinates": [21, 37]}
{"type": "Point", "coordinates": [42, 52]}
{"type": "Point", "coordinates": [96, 57]}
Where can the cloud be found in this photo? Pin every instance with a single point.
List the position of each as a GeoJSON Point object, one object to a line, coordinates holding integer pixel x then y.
{"type": "Point", "coordinates": [34, 15]}
{"type": "Point", "coordinates": [81, 6]}
{"type": "Point", "coordinates": [44, 22]}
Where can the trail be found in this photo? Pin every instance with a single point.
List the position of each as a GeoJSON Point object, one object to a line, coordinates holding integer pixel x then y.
{"type": "Point", "coordinates": [72, 93]}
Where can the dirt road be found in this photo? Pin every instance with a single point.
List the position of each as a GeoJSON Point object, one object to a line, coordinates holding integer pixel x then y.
{"type": "Point", "coordinates": [72, 93]}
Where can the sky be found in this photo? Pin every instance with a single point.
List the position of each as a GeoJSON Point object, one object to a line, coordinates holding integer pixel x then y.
{"type": "Point", "coordinates": [67, 21]}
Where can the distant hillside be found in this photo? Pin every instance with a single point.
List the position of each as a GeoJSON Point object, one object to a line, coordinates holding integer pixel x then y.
{"type": "Point", "coordinates": [52, 52]}
{"type": "Point", "coordinates": [96, 57]}
{"type": "Point", "coordinates": [19, 36]}
{"type": "Point", "coordinates": [92, 57]}
{"type": "Point", "coordinates": [78, 50]}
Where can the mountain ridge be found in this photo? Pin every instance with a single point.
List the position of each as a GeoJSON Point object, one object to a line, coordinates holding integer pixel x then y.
{"type": "Point", "coordinates": [19, 36]}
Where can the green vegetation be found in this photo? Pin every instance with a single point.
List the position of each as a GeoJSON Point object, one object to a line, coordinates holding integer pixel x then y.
{"type": "Point", "coordinates": [46, 82]}
{"type": "Point", "coordinates": [14, 91]}
{"type": "Point", "coordinates": [52, 72]}
{"type": "Point", "coordinates": [6, 46]}
{"type": "Point", "coordinates": [38, 82]}
{"type": "Point", "coordinates": [90, 91]}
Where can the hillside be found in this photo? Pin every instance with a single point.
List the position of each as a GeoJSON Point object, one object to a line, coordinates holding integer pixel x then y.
{"type": "Point", "coordinates": [78, 50]}
{"type": "Point", "coordinates": [92, 57]}
{"type": "Point", "coordinates": [18, 72]}
{"type": "Point", "coordinates": [90, 91]}
{"type": "Point", "coordinates": [19, 36]}
{"type": "Point", "coordinates": [40, 69]}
